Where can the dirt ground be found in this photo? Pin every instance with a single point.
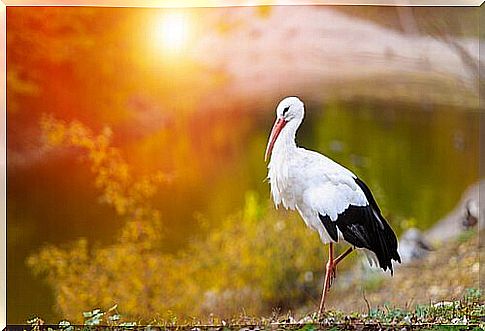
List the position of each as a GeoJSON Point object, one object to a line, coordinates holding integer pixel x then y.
{"type": "Point", "coordinates": [444, 275]}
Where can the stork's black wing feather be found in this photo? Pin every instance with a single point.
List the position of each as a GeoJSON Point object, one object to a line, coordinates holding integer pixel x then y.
{"type": "Point", "coordinates": [365, 227]}
{"type": "Point", "coordinates": [330, 226]}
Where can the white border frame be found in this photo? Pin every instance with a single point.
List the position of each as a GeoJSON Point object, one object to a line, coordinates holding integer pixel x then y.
{"type": "Point", "coordinates": [234, 3]}
{"type": "Point", "coordinates": [136, 3]}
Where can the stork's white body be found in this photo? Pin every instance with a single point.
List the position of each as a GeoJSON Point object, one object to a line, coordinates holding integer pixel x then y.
{"type": "Point", "coordinates": [312, 184]}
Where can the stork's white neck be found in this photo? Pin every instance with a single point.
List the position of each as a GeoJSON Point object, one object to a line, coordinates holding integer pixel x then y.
{"type": "Point", "coordinates": [285, 144]}
{"type": "Point", "coordinates": [284, 152]}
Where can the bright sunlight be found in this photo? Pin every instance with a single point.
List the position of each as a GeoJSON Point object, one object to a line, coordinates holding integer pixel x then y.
{"type": "Point", "coordinates": [172, 32]}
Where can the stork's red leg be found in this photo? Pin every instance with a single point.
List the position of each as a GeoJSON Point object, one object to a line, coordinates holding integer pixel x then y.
{"type": "Point", "coordinates": [330, 273]}
{"type": "Point", "coordinates": [336, 261]}
{"type": "Point", "coordinates": [329, 270]}
{"type": "Point", "coordinates": [344, 254]}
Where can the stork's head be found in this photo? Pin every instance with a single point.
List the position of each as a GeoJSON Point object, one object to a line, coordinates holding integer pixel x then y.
{"type": "Point", "coordinates": [289, 111]}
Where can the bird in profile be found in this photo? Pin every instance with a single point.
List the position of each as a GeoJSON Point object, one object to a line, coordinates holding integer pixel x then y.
{"type": "Point", "coordinates": [330, 198]}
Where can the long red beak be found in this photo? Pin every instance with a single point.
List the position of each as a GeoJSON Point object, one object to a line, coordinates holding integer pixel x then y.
{"type": "Point", "coordinates": [277, 127]}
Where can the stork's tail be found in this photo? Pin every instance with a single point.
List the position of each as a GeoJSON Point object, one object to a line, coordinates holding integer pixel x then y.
{"type": "Point", "coordinates": [382, 239]}
{"type": "Point", "coordinates": [385, 245]}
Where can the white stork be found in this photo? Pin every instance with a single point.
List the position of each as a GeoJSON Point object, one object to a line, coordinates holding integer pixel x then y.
{"type": "Point", "coordinates": [330, 198]}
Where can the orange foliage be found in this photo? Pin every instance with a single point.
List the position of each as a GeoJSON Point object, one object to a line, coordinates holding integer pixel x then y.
{"type": "Point", "coordinates": [249, 262]}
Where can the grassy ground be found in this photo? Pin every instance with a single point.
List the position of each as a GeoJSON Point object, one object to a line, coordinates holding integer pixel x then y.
{"type": "Point", "coordinates": [436, 293]}
{"type": "Point", "coordinates": [465, 314]}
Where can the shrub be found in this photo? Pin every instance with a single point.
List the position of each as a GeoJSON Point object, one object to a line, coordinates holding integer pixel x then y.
{"type": "Point", "coordinates": [255, 260]}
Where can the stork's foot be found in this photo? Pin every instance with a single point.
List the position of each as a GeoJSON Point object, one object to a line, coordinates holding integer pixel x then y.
{"type": "Point", "coordinates": [330, 275]}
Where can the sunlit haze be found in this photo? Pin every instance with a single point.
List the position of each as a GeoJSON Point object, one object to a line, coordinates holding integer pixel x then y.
{"type": "Point", "coordinates": [172, 32]}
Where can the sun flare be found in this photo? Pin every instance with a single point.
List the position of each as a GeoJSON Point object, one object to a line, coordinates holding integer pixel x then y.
{"type": "Point", "coordinates": [172, 32]}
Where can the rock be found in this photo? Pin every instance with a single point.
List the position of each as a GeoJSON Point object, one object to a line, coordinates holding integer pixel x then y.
{"type": "Point", "coordinates": [467, 214]}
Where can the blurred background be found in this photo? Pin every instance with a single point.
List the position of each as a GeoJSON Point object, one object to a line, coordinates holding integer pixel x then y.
{"type": "Point", "coordinates": [136, 141]}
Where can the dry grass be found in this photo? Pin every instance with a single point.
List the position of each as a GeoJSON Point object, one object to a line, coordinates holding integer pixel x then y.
{"type": "Point", "coordinates": [444, 275]}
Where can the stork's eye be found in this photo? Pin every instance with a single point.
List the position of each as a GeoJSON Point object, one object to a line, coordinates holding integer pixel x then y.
{"type": "Point", "coordinates": [285, 110]}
